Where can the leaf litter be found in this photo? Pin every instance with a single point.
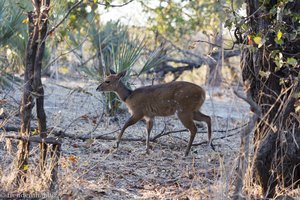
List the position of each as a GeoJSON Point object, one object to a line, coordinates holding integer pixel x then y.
{"type": "Point", "coordinates": [93, 169]}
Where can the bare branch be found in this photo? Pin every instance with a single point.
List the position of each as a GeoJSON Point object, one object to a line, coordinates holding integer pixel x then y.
{"type": "Point", "coordinates": [105, 136]}
{"type": "Point", "coordinates": [244, 147]}
{"type": "Point", "coordinates": [190, 64]}
{"type": "Point", "coordinates": [213, 44]}
{"type": "Point", "coordinates": [64, 18]}
{"type": "Point", "coordinates": [253, 106]}
{"type": "Point", "coordinates": [67, 52]}
{"type": "Point", "coordinates": [112, 5]}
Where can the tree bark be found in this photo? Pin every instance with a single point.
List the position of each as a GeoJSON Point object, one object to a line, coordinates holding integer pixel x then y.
{"type": "Point", "coordinates": [33, 88]}
{"type": "Point", "coordinates": [215, 75]}
{"type": "Point", "coordinates": [215, 69]}
{"type": "Point", "coordinates": [27, 103]}
{"type": "Point", "coordinates": [277, 134]}
{"type": "Point", "coordinates": [42, 9]}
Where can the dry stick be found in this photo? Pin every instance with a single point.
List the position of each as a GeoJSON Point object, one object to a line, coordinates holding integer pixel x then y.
{"type": "Point", "coordinates": [10, 128]}
{"type": "Point", "coordinates": [186, 130]}
{"type": "Point", "coordinates": [88, 136]}
{"type": "Point", "coordinates": [105, 137]}
{"type": "Point", "coordinates": [244, 148]}
{"type": "Point", "coordinates": [110, 138]}
{"type": "Point", "coordinates": [76, 89]}
{"type": "Point", "coordinates": [37, 139]}
{"type": "Point", "coordinates": [112, 5]}
{"type": "Point", "coordinates": [65, 53]}
{"type": "Point", "coordinates": [5, 121]}
{"type": "Point", "coordinates": [98, 123]}
{"type": "Point", "coordinates": [55, 155]}
{"type": "Point", "coordinates": [213, 44]}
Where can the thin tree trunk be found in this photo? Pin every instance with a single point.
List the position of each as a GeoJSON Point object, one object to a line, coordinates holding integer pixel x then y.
{"type": "Point", "coordinates": [33, 88]}
{"type": "Point", "coordinates": [215, 69]}
{"type": "Point", "coordinates": [27, 103]}
{"type": "Point", "coordinates": [37, 82]}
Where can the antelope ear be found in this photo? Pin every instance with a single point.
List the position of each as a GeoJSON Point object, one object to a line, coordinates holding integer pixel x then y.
{"type": "Point", "coordinates": [112, 71]}
{"type": "Point", "coordinates": [122, 74]}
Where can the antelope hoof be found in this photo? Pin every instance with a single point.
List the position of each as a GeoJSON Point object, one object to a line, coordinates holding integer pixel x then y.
{"type": "Point", "coordinates": [147, 151]}
{"type": "Point", "coordinates": [186, 153]}
{"type": "Point", "coordinates": [212, 146]}
{"type": "Point", "coordinates": [116, 145]}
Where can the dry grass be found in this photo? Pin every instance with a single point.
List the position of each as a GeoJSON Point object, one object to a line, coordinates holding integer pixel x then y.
{"type": "Point", "coordinates": [93, 169]}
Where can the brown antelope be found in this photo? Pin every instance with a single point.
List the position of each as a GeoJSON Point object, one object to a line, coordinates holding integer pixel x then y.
{"type": "Point", "coordinates": [182, 98]}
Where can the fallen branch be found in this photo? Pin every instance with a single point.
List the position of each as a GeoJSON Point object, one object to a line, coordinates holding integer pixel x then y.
{"type": "Point", "coordinates": [186, 130]}
{"type": "Point", "coordinates": [14, 129]}
{"type": "Point", "coordinates": [105, 136]}
{"type": "Point", "coordinates": [188, 65]}
{"type": "Point", "coordinates": [88, 137]}
{"type": "Point", "coordinates": [10, 129]}
{"type": "Point", "coordinates": [36, 139]}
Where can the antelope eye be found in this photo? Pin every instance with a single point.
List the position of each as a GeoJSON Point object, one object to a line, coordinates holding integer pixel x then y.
{"type": "Point", "coordinates": [107, 81]}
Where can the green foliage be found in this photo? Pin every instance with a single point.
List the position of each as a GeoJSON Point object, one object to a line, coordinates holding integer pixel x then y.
{"type": "Point", "coordinates": [112, 45]}
{"type": "Point", "coordinates": [176, 19]}
{"type": "Point", "coordinates": [154, 59]}
{"type": "Point", "coordinates": [128, 53]}
{"type": "Point", "coordinates": [10, 18]}
{"type": "Point", "coordinates": [10, 30]}
{"type": "Point", "coordinates": [275, 35]}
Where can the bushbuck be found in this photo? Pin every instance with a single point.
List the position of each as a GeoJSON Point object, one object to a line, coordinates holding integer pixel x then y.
{"type": "Point", "coordinates": [182, 98]}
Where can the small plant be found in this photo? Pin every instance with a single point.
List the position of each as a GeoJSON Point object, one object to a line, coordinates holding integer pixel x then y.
{"type": "Point", "coordinates": [10, 23]}
{"type": "Point", "coordinates": [117, 50]}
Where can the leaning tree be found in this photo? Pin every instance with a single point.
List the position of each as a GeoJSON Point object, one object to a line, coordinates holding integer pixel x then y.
{"type": "Point", "coordinates": [270, 69]}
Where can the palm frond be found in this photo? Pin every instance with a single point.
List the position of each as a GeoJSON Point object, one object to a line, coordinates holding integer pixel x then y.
{"type": "Point", "coordinates": [10, 19]}
{"type": "Point", "coordinates": [129, 53]}
{"type": "Point", "coordinates": [154, 59]}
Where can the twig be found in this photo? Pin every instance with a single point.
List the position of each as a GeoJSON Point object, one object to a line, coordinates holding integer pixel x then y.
{"type": "Point", "coordinates": [113, 5]}
{"type": "Point", "coordinates": [99, 121]}
{"type": "Point", "coordinates": [253, 106]}
{"type": "Point", "coordinates": [65, 53]}
{"type": "Point", "coordinates": [72, 122]}
{"type": "Point", "coordinates": [218, 138]}
{"type": "Point", "coordinates": [186, 130]}
{"type": "Point", "coordinates": [64, 18]}
{"type": "Point", "coordinates": [213, 44]}
{"type": "Point", "coordinates": [206, 142]}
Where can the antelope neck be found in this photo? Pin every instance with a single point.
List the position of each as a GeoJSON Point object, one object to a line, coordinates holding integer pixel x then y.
{"type": "Point", "coordinates": [123, 91]}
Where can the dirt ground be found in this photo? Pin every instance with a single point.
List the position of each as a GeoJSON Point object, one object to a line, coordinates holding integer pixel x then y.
{"type": "Point", "coordinates": [93, 169]}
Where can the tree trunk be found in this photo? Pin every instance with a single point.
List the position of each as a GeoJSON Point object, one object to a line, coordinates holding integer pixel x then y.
{"type": "Point", "coordinates": [277, 134]}
{"type": "Point", "coordinates": [33, 88]}
{"type": "Point", "coordinates": [27, 104]}
{"type": "Point", "coordinates": [215, 69]}
{"type": "Point", "coordinates": [42, 21]}
{"type": "Point", "coordinates": [215, 76]}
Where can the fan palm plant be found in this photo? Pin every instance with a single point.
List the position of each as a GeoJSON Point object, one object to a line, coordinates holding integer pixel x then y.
{"type": "Point", "coordinates": [9, 20]}
{"type": "Point", "coordinates": [10, 23]}
{"type": "Point", "coordinates": [118, 51]}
